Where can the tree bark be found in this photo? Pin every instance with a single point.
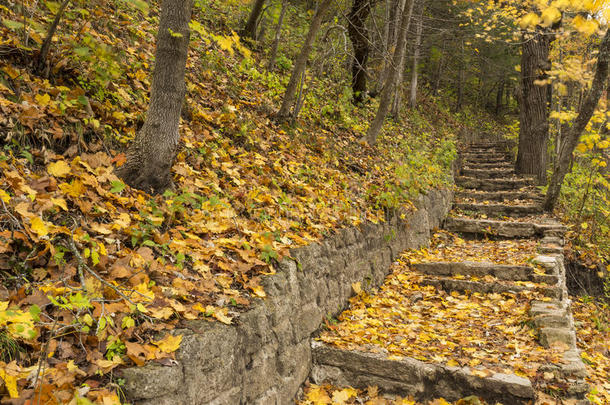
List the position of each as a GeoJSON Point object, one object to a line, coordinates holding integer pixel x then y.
{"type": "Point", "coordinates": [278, 34]}
{"type": "Point", "coordinates": [397, 101]}
{"type": "Point", "coordinates": [534, 108]}
{"type": "Point", "coordinates": [499, 96]}
{"type": "Point", "coordinates": [388, 87]}
{"type": "Point", "coordinates": [394, 11]}
{"type": "Point", "coordinates": [46, 44]}
{"type": "Point", "coordinates": [358, 34]}
{"type": "Point", "coordinates": [151, 155]}
{"type": "Point", "coordinates": [301, 62]}
{"type": "Point", "coordinates": [249, 29]}
{"type": "Point", "coordinates": [416, 51]}
{"type": "Point", "coordinates": [572, 135]}
{"type": "Point", "coordinates": [460, 82]}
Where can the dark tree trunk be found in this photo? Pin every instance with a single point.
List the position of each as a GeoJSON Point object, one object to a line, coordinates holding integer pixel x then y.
{"type": "Point", "coordinates": [276, 39]}
{"type": "Point", "coordinates": [388, 87]}
{"type": "Point", "coordinates": [499, 96]}
{"type": "Point", "coordinates": [572, 135]}
{"type": "Point", "coordinates": [301, 62]}
{"type": "Point", "coordinates": [151, 155]}
{"type": "Point", "coordinates": [46, 44]}
{"type": "Point", "coordinates": [416, 51]}
{"type": "Point", "coordinates": [394, 11]}
{"type": "Point", "coordinates": [358, 34]}
{"type": "Point", "coordinates": [461, 78]}
{"type": "Point", "coordinates": [249, 29]}
{"type": "Point", "coordinates": [534, 108]}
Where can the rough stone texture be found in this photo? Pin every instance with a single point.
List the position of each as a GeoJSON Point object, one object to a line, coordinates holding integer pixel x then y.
{"type": "Point", "coordinates": [266, 356]}
{"type": "Point", "coordinates": [490, 227]}
{"type": "Point", "coordinates": [477, 269]}
{"type": "Point", "coordinates": [501, 209]}
{"type": "Point", "coordinates": [488, 173]}
{"type": "Point", "coordinates": [500, 195]}
{"type": "Point", "coordinates": [496, 184]}
{"type": "Point", "coordinates": [412, 377]}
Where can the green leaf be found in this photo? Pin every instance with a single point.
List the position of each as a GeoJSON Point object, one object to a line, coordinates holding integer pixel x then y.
{"type": "Point", "coordinates": [82, 51]}
{"type": "Point", "coordinates": [13, 25]}
{"type": "Point", "coordinates": [117, 186]}
{"type": "Point", "coordinates": [35, 312]}
{"type": "Point", "coordinates": [139, 4]}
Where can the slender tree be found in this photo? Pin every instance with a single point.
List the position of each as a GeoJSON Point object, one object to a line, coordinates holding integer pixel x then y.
{"type": "Point", "coordinates": [46, 44]}
{"type": "Point", "coordinates": [397, 100]}
{"type": "Point", "coordinates": [301, 62]}
{"type": "Point", "coordinates": [534, 107]}
{"type": "Point", "coordinates": [276, 38]}
{"type": "Point", "coordinates": [572, 135]}
{"type": "Point", "coordinates": [388, 87]}
{"type": "Point", "coordinates": [416, 52]}
{"type": "Point", "coordinates": [151, 155]}
{"type": "Point", "coordinates": [249, 29]}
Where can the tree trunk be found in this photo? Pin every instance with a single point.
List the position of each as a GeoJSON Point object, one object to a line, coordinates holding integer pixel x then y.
{"type": "Point", "coordinates": [301, 62]}
{"type": "Point", "coordinates": [416, 51]}
{"type": "Point", "coordinates": [534, 108]}
{"type": "Point", "coordinates": [572, 135]}
{"type": "Point", "coordinates": [278, 34]}
{"type": "Point", "coordinates": [388, 87]}
{"type": "Point", "coordinates": [395, 9]}
{"type": "Point", "coordinates": [499, 96]}
{"type": "Point", "coordinates": [459, 100]}
{"type": "Point", "coordinates": [151, 155]}
{"type": "Point", "coordinates": [249, 29]}
{"type": "Point", "coordinates": [358, 34]}
{"type": "Point", "coordinates": [396, 103]}
{"type": "Point", "coordinates": [46, 44]}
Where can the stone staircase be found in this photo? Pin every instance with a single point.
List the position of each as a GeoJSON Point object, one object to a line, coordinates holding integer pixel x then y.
{"type": "Point", "coordinates": [481, 258]}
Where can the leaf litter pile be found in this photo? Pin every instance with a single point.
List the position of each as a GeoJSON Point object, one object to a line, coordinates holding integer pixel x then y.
{"type": "Point", "coordinates": [94, 274]}
{"type": "Point", "coordinates": [327, 394]}
{"type": "Point", "coordinates": [487, 332]}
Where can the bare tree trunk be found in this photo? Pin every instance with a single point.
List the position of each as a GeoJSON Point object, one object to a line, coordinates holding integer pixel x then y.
{"type": "Point", "coordinates": [572, 135]}
{"type": "Point", "coordinates": [534, 109]}
{"type": "Point", "coordinates": [278, 34]}
{"type": "Point", "coordinates": [358, 34]}
{"type": "Point", "coordinates": [397, 101]}
{"type": "Point", "coordinates": [416, 51]}
{"type": "Point", "coordinates": [395, 9]}
{"type": "Point", "coordinates": [46, 44]}
{"type": "Point", "coordinates": [249, 29]}
{"type": "Point", "coordinates": [151, 155]}
{"type": "Point", "coordinates": [388, 87]}
{"type": "Point", "coordinates": [460, 87]}
{"type": "Point", "coordinates": [301, 62]}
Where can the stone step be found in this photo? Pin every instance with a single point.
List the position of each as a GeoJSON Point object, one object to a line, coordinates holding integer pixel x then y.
{"type": "Point", "coordinates": [500, 195]}
{"type": "Point", "coordinates": [487, 173]}
{"type": "Point", "coordinates": [499, 184]}
{"type": "Point", "coordinates": [480, 269]}
{"type": "Point", "coordinates": [482, 166]}
{"type": "Point", "coordinates": [500, 209]}
{"type": "Point", "coordinates": [504, 229]}
{"type": "Point", "coordinates": [484, 158]}
{"type": "Point", "coordinates": [409, 377]}
{"type": "Point", "coordinates": [482, 287]}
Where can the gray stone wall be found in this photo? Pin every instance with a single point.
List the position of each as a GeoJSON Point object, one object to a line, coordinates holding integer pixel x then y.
{"type": "Point", "coordinates": [266, 356]}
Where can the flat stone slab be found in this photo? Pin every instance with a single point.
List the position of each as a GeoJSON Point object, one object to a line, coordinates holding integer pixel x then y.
{"type": "Point", "coordinates": [500, 195]}
{"type": "Point", "coordinates": [501, 209]}
{"type": "Point", "coordinates": [499, 184]}
{"type": "Point", "coordinates": [505, 229]}
{"type": "Point", "coordinates": [481, 269]}
{"type": "Point", "coordinates": [491, 227]}
{"type": "Point", "coordinates": [497, 165]}
{"type": "Point", "coordinates": [488, 173]}
{"type": "Point", "coordinates": [410, 377]}
{"type": "Point", "coordinates": [449, 284]}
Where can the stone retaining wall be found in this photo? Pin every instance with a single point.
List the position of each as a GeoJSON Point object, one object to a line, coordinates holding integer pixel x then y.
{"type": "Point", "coordinates": [266, 356]}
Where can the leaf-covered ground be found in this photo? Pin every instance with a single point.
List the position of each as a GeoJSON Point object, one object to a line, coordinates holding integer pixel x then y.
{"type": "Point", "coordinates": [592, 322]}
{"type": "Point", "coordinates": [94, 274]}
{"type": "Point", "coordinates": [327, 394]}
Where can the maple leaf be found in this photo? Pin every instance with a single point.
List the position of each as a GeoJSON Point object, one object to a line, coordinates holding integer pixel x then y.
{"type": "Point", "coordinates": [58, 168]}
{"type": "Point", "coordinates": [169, 343]}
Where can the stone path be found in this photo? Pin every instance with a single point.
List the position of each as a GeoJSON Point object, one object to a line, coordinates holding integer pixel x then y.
{"type": "Point", "coordinates": [484, 311]}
